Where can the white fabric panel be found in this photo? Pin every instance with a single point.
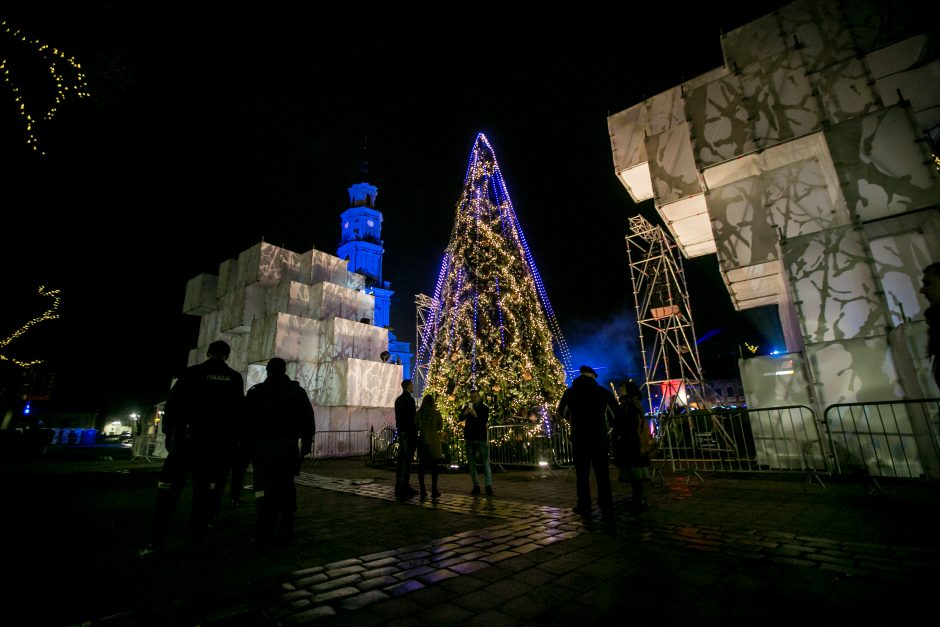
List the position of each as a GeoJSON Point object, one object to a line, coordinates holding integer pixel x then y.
{"type": "Point", "coordinates": [627, 131]}
{"type": "Point", "coordinates": [351, 382]}
{"type": "Point", "coordinates": [899, 262]}
{"type": "Point", "coordinates": [853, 371]}
{"type": "Point", "coordinates": [210, 328]}
{"type": "Point", "coordinates": [664, 111]}
{"type": "Point", "coordinates": [200, 295]}
{"type": "Point", "coordinates": [888, 168]}
{"type": "Point", "coordinates": [752, 303]}
{"type": "Point", "coordinates": [817, 26]}
{"type": "Point", "coordinates": [240, 306]}
{"type": "Point", "coordinates": [706, 247]}
{"type": "Point", "coordinates": [774, 381]}
{"type": "Point", "coordinates": [812, 146]}
{"type": "Point", "coordinates": [638, 182]}
{"type": "Point", "coordinates": [719, 122]}
{"type": "Point", "coordinates": [780, 99]}
{"type": "Point", "coordinates": [329, 300]}
{"type": "Point", "coordinates": [289, 337]}
{"type": "Point", "coordinates": [690, 225]}
{"type": "Point", "coordinates": [671, 164]}
{"type": "Point", "coordinates": [228, 275]}
{"type": "Point", "coordinates": [756, 271]}
{"type": "Point", "coordinates": [831, 279]}
{"type": "Point", "coordinates": [321, 301]}
{"type": "Point", "coordinates": [754, 286]}
{"type": "Point", "coordinates": [324, 267]}
{"type": "Point", "coordinates": [351, 339]}
{"type": "Point", "coordinates": [845, 90]}
{"type": "Point", "coordinates": [346, 419]}
{"type": "Point", "coordinates": [908, 342]}
{"type": "Point", "coordinates": [920, 87]}
{"type": "Point", "coordinates": [752, 42]}
{"type": "Point", "coordinates": [897, 57]}
{"type": "Point", "coordinates": [264, 263]}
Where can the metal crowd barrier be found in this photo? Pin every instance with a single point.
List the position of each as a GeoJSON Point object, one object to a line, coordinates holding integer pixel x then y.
{"type": "Point", "coordinates": [510, 445]}
{"type": "Point", "coordinates": [327, 444]}
{"type": "Point", "coordinates": [778, 439]}
{"type": "Point", "coordinates": [899, 438]}
{"type": "Point", "coordinates": [886, 439]}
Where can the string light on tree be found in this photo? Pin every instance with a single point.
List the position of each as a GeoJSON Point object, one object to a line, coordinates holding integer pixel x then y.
{"type": "Point", "coordinates": [491, 327]}
{"type": "Point", "coordinates": [65, 75]}
{"type": "Point", "coordinates": [49, 314]}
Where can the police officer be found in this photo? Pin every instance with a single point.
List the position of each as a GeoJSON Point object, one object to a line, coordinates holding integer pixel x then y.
{"type": "Point", "coordinates": [202, 406]}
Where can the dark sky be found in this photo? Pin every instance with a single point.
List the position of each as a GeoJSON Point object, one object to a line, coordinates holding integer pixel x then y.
{"type": "Point", "coordinates": [209, 129]}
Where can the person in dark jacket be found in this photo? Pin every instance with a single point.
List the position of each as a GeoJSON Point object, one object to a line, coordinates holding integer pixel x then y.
{"type": "Point", "coordinates": [590, 409]}
{"type": "Point", "coordinates": [407, 427]}
{"type": "Point", "coordinates": [204, 403]}
{"type": "Point", "coordinates": [630, 443]}
{"type": "Point", "coordinates": [279, 417]}
{"type": "Point", "coordinates": [475, 418]}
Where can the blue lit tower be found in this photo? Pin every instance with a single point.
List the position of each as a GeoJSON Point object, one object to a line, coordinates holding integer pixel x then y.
{"type": "Point", "coordinates": [361, 245]}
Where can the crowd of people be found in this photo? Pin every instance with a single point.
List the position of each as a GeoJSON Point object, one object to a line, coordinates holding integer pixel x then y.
{"type": "Point", "coordinates": [214, 431]}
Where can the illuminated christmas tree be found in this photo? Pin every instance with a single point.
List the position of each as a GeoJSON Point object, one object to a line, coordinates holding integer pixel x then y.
{"type": "Point", "coordinates": [491, 327]}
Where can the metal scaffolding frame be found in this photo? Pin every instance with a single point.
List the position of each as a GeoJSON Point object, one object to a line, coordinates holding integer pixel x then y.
{"type": "Point", "coordinates": [664, 318]}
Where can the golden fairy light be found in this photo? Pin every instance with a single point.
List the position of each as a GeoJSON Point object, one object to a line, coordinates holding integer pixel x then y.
{"type": "Point", "coordinates": [65, 73]}
{"type": "Point", "coordinates": [50, 314]}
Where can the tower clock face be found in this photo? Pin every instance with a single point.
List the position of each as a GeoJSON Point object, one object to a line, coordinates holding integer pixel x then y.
{"type": "Point", "coordinates": [370, 223]}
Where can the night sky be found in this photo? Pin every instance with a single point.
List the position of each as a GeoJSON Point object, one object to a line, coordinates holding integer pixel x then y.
{"type": "Point", "coordinates": [211, 129]}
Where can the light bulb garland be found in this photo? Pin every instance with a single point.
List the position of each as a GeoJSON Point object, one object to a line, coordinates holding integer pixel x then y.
{"type": "Point", "coordinates": [66, 74]}
{"type": "Point", "coordinates": [49, 314]}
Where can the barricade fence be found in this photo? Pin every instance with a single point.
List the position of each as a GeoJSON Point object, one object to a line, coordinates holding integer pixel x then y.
{"type": "Point", "coordinates": [328, 444]}
{"type": "Point", "coordinates": [882, 439]}
{"type": "Point", "coordinates": [778, 439]}
{"type": "Point", "coordinates": [886, 439]}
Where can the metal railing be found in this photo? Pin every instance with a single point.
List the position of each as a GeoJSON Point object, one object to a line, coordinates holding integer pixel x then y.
{"type": "Point", "coordinates": [510, 445]}
{"type": "Point", "coordinates": [899, 438]}
{"type": "Point", "coordinates": [777, 439]}
{"type": "Point", "coordinates": [328, 444]}
{"type": "Point", "coordinates": [886, 439]}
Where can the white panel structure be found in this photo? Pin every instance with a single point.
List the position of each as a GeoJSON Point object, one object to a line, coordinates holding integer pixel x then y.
{"type": "Point", "coordinates": [307, 309]}
{"type": "Point", "coordinates": [808, 164]}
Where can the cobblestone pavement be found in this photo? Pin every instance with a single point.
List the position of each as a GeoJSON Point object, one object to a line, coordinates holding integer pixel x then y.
{"type": "Point", "coordinates": [710, 550]}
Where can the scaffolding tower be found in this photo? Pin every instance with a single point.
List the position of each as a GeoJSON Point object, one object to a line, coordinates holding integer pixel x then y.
{"type": "Point", "coordinates": [667, 337]}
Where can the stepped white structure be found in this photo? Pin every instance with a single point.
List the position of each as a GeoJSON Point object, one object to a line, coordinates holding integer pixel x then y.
{"type": "Point", "coordinates": [311, 311]}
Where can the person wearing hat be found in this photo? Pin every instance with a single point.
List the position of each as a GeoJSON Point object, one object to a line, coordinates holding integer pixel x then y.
{"type": "Point", "coordinates": [279, 416]}
{"type": "Point", "coordinates": [204, 408]}
{"type": "Point", "coordinates": [589, 408]}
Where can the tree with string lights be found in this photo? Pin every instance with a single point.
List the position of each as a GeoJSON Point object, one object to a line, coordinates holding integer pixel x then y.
{"type": "Point", "coordinates": [39, 78]}
{"type": "Point", "coordinates": [491, 327]}
{"type": "Point", "coordinates": [13, 370]}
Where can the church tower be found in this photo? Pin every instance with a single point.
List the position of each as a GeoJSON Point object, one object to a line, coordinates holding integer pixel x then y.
{"type": "Point", "coordinates": [361, 246]}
